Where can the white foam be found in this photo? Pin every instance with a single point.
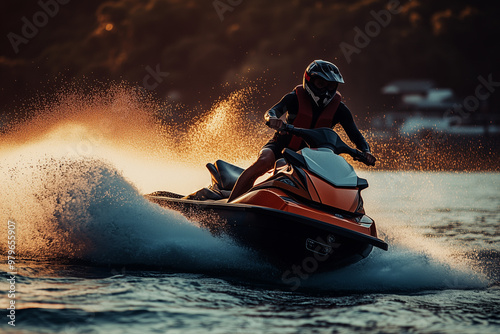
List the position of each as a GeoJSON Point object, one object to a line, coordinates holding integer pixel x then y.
{"type": "Point", "coordinates": [399, 269]}
{"type": "Point", "coordinates": [83, 209]}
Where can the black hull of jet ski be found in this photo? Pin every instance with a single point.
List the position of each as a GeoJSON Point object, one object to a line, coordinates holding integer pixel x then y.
{"type": "Point", "coordinates": [282, 238]}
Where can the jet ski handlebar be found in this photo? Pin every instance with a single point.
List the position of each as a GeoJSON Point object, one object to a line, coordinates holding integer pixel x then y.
{"type": "Point", "coordinates": [324, 137]}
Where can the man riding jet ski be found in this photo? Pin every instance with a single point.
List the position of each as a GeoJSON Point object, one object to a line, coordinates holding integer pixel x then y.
{"type": "Point", "coordinates": [309, 208]}
{"type": "Point", "coordinates": [314, 104]}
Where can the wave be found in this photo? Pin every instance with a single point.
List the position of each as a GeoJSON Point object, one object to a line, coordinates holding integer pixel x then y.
{"type": "Point", "coordinates": [399, 269]}
{"type": "Point", "coordinates": [84, 210]}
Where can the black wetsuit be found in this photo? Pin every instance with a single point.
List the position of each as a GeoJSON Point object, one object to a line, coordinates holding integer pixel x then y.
{"type": "Point", "coordinates": [290, 103]}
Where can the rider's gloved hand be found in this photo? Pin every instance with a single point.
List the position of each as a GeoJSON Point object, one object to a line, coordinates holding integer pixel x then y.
{"type": "Point", "coordinates": [370, 158]}
{"type": "Point", "coordinates": [275, 123]}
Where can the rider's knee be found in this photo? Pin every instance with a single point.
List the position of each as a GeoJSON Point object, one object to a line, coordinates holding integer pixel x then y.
{"type": "Point", "coordinates": [266, 160]}
{"type": "Point", "coordinates": [264, 163]}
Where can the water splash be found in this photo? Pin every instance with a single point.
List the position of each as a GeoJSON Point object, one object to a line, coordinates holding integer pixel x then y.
{"type": "Point", "coordinates": [73, 173]}
{"type": "Point", "coordinates": [400, 269]}
{"type": "Point", "coordinates": [84, 209]}
{"type": "Point", "coordinates": [152, 143]}
{"type": "Point", "coordinates": [72, 177]}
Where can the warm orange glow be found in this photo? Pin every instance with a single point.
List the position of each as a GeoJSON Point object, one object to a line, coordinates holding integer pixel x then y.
{"type": "Point", "coordinates": [109, 27]}
{"type": "Point", "coordinates": [438, 20]}
{"type": "Point", "coordinates": [119, 127]}
{"type": "Point", "coordinates": [233, 28]}
{"type": "Point", "coordinates": [226, 132]}
{"type": "Point", "coordinates": [57, 159]}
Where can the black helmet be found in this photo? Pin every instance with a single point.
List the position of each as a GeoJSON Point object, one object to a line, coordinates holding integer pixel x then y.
{"type": "Point", "coordinates": [321, 80]}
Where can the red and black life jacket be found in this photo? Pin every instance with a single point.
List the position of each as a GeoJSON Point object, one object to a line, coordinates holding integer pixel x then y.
{"type": "Point", "coordinates": [304, 118]}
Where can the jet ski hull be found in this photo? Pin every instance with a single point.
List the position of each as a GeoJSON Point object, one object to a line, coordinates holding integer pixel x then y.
{"type": "Point", "coordinates": [282, 238]}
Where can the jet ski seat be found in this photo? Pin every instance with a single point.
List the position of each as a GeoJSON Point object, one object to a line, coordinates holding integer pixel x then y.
{"type": "Point", "coordinates": [224, 174]}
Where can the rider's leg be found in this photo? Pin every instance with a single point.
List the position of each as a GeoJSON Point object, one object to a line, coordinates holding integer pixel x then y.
{"type": "Point", "coordinates": [246, 180]}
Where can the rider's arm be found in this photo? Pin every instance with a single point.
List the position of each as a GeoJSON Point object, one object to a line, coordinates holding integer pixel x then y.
{"type": "Point", "coordinates": [286, 104]}
{"type": "Point", "coordinates": [344, 117]}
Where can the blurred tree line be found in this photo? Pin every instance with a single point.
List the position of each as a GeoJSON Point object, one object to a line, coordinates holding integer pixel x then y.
{"type": "Point", "coordinates": [192, 51]}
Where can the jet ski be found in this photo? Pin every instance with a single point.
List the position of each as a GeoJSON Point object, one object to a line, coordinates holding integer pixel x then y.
{"type": "Point", "coordinates": [308, 209]}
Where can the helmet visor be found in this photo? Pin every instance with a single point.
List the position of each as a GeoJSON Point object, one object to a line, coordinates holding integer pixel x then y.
{"type": "Point", "coordinates": [324, 85]}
